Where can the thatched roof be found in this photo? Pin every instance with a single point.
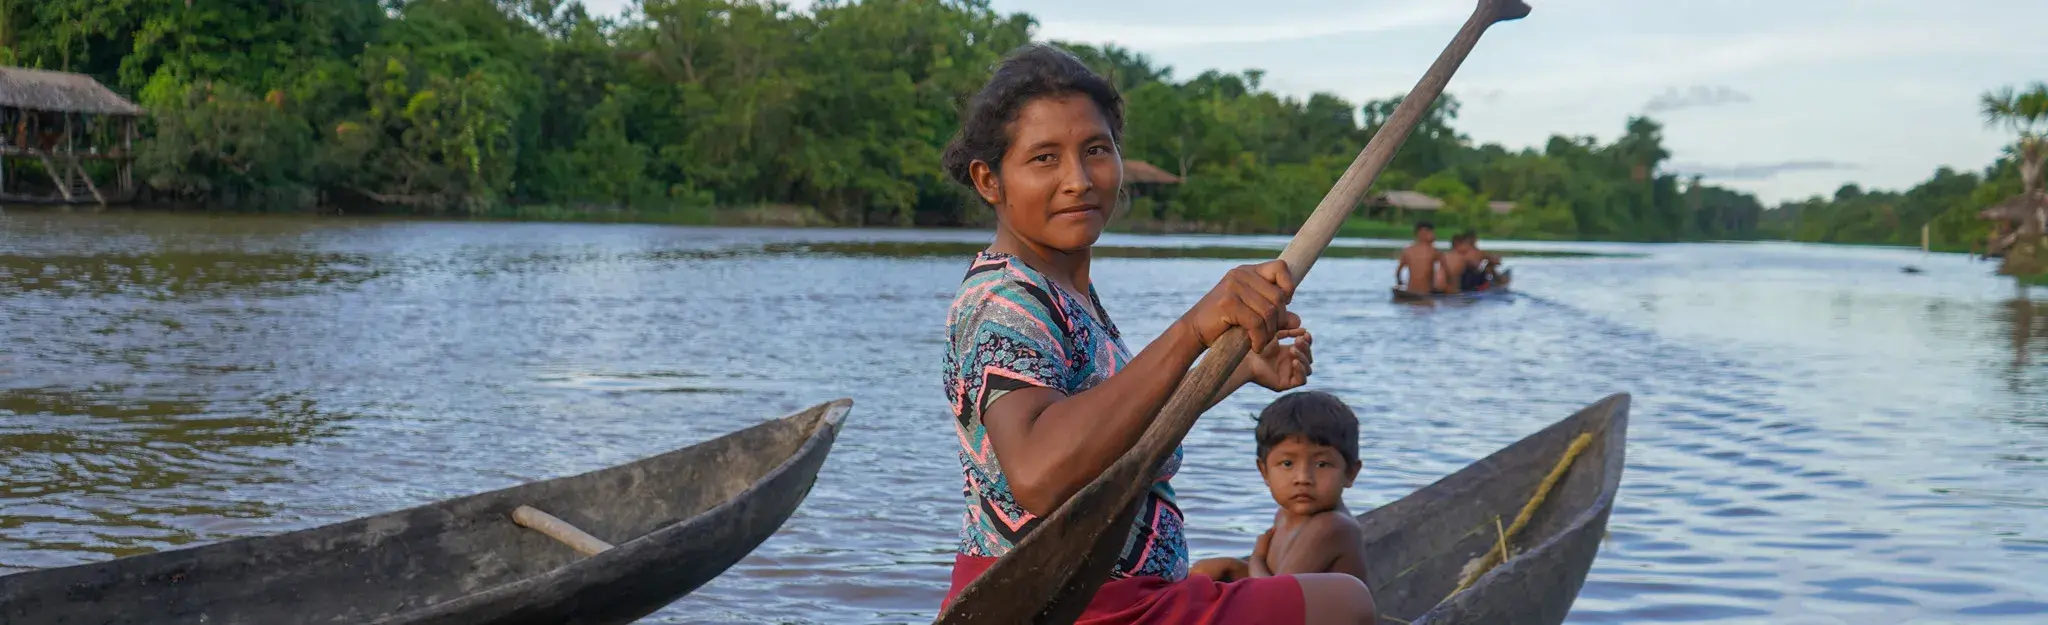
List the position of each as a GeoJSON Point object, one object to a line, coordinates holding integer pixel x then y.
{"type": "Point", "coordinates": [1408, 200]}
{"type": "Point", "coordinates": [2017, 208]}
{"type": "Point", "coordinates": [1141, 172]}
{"type": "Point", "coordinates": [60, 92]}
{"type": "Point", "coordinates": [1501, 208]}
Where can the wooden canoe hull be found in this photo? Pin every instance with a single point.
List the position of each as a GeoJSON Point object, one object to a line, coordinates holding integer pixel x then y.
{"type": "Point", "coordinates": [676, 520]}
{"type": "Point", "coordinates": [1415, 547]}
{"type": "Point", "coordinates": [1502, 286]}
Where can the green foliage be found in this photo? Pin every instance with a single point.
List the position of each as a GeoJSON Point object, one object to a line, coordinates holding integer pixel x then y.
{"type": "Point", "coordinates": [1947, 203]}
{"type": "Point", "coordinates": [217, 141]}
{"type": "Point", "coordinates": [536, 109]}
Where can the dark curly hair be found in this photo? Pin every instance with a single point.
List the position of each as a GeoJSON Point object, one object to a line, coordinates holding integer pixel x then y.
{"type": "Point", "coordinates": [1315, 416]}
{"type": "Point", "coordinates": [1028, 73]}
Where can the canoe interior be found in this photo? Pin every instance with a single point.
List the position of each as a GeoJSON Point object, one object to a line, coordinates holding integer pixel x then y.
{"type": "Point", "coordinates": [1415, 547]}
{"type": "Point", "coordinates": [463, 552]}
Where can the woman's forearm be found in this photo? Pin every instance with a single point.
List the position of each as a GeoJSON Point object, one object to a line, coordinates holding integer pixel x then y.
{"type": "Point", "coordinates": [1051, 446]}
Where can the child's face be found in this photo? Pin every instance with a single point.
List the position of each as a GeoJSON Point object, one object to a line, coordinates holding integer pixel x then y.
{"type": "Point", "coordinates": [1306, 478]}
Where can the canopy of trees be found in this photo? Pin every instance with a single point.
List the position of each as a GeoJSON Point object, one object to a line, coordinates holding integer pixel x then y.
{"type": "Point", "coordinates": [473, 106]}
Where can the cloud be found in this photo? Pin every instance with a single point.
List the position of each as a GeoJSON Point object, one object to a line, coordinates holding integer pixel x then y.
{"type": "Point", "coordinates": [1760, 171]}
{"type": "Point", "coordinates": [1698, 96]}
{"type": "Point", "coordinates": [1487, 96]}
{"type": "Point", "coordinates": [1626, 62]}
{"type": "Point", "coordinates": [1157, 36]}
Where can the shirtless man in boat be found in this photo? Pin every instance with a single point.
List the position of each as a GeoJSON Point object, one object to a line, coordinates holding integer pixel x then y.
{"type": "Point", "coordinates": [1466, 268]}
{"type": "Point", "coordinates": [1421, 260]}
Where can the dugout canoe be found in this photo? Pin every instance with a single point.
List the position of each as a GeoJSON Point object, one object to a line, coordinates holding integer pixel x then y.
{"type": "Point", "coordinates": [674, 521]}
{"type": "Point", "coordinates": [1416, 547]}
{"type": "Point", "coordinates": [1500, 286]}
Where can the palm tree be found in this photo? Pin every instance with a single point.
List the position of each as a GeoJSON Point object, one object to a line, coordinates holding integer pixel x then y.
{"type": "Point", "coordinates": [2025, 113]}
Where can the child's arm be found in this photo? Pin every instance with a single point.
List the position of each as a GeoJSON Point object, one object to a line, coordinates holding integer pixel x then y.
{"type": "Point", "coordinates": [1224, 570]}
{"type": "Point", "coordinates": [1257, 563]}
{"type": "Point", "coordinates": [1331, 543]}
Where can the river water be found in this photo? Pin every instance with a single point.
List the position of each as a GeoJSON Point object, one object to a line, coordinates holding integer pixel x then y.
{"type": "Point", "coordinates": [1817, 437]}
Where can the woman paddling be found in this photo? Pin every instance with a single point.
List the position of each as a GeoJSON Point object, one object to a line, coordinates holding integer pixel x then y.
{"type": "Point", "coordinates": [1045, 395]}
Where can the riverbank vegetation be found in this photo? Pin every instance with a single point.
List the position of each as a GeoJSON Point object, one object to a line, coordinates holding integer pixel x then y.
{"type": "Point", "coordinates": [685, 109]}
{"type": "Point", "coordinates": [1949, 203]}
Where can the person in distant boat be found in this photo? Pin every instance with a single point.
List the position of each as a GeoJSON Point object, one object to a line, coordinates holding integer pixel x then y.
{"type": "Point", "coordinates": [1459, 267]}
{"type": "Point", "coordinates": [1465, 267]}
{"type": "Point", "coordinates": [1044, 394]}
{"type": "Point", "coordinates": [1488, 263]}
{"type": "Point", "coordinates": [1308, 455]}
{"type": "Point", "coordinates": [1422, 261]}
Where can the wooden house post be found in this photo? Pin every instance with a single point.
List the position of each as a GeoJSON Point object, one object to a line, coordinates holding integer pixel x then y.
{"type": "Point", "coordinates": [127, 161]}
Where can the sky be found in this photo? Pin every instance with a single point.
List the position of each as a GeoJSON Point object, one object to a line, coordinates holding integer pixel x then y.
{"type": "Point", "coordinates": [1785, 99]}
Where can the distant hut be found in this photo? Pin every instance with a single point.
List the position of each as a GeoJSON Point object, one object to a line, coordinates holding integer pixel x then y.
{"type": "Point", "coordinates": [1500, 208]}
{"type": "Point", "coordinates": [1145, 179]}
{"type": "Point", "coordinates": [62, 121]}
{"type": "Point", "coordinates": [1394, 205]}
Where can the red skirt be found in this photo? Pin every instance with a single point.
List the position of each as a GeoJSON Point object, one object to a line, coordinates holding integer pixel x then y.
{"type": "Point", "coordinates": [1154, 601]}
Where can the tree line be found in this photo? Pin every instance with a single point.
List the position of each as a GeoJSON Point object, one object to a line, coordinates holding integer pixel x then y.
{"type": "Point", "coordinates": [1947, 204]}
{"type": "Point", "coordinates": [714, 108]}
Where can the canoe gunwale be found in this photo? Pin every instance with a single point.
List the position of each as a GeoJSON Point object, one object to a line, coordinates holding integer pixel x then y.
{"type": "Point", "coordinates": [1610, 426]}
{"type": "Point", "coordinates": [615, 563]}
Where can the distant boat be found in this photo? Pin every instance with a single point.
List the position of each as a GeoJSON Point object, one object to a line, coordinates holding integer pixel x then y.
{"type": "Point", "coordinates": [678, 519]}
{"type": "Point", "coordinates": [1500, 286]}
{"type": "Point", "coordinates": [1910, 269]}
{"type": "Point", "coordinates": [1418, 547]}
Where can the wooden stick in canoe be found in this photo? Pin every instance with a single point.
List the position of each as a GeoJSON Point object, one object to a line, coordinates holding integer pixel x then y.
{"type": "Point", "coordinates": [532, 518]}
{"type": "Point", "coordinates": [1054, 572]}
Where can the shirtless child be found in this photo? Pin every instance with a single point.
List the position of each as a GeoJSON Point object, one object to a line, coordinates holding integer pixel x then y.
{"type": "Point", "coordinates": [1465, 267]}
{"type": "Point", "coordinates": [1421, 259]}
{"type": "Point", "coordinates": [1308, 455]}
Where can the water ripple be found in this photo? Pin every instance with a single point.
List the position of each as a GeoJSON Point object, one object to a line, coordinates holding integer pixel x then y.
{"type": "Point", "coordinates": [1814, 437]}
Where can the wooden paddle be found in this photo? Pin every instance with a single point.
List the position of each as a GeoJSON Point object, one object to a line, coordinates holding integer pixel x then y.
{"type": "Point", "coordinates": [1053, 573]}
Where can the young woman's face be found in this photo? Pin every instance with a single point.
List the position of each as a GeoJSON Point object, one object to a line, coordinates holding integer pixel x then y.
{"type": "Point", "coordinates": [1060, 177]}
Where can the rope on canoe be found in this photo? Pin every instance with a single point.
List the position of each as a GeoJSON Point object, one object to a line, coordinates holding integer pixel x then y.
{"type": "Point", "coordinates": [1499, 553]}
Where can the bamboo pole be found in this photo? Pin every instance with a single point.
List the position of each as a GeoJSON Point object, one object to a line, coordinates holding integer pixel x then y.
{"type": "Point", "coordinates": [1054, 572]}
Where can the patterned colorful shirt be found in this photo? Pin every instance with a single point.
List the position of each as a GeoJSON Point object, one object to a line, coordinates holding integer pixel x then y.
{"type": "Point", "coordinates": [1012, 328]}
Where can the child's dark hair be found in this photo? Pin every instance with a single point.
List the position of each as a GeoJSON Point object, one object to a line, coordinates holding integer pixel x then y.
{"type": "Point", "coordinates": [1315, 416]}
{"type": "Point", "coordinates": [1424, 225]}
{"type": "Point", "coordinates": [1031, 72]}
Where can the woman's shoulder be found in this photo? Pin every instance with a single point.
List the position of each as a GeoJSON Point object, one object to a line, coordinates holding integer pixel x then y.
{"type": "Point", "coordinates": [1000, 281]}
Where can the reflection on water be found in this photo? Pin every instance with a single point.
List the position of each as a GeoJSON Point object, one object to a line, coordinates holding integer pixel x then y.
{"type": "Point", "coordinates": [1816, 436]}
{"type": "Point", "coordinates": [109, 472]}
{"type": "Point", "coordinates": [180, 274]}
{"type": "Point", "coordinates": [2022, 316]}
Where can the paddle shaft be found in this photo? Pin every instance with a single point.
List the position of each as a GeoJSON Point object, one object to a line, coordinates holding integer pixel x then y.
{"type": "Point", "coordinates": [1045, 574]}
